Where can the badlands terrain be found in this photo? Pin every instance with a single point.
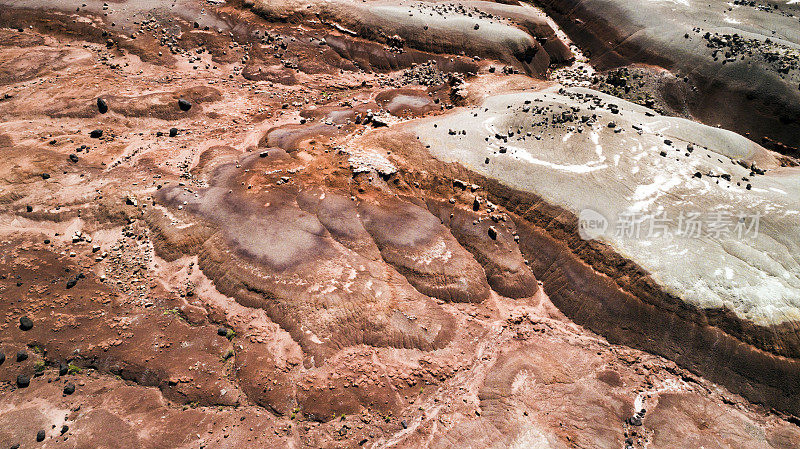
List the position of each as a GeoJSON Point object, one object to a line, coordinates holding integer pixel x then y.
{"type": "Point", "coordinates": [400, 224]}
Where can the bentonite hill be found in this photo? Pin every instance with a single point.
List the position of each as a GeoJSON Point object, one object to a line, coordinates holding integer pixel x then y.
{"type": "Point", "coordinates": [400, 224]}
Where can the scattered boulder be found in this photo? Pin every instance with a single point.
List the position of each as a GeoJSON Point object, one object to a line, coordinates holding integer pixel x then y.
{"type": "Point", "coordinates": [102, 106]}
{"type": "Point", "coordinates": [378, 122]}
{"type": "Point", "coordinates": [22, 356]}
{"type": "Point", "coordinates": [25, 323]}
{"type": "Point", "coordinates": [69, 388]}
{"type": "Point", "coordinates": [23, 381]}
{"type": "Point", "coordinates": [173, 132]}
{"type": "Point", "coordinates": [63, 369]}
{"type": "Point", "coordinates": [184, 105]}
{"type": "Point", "coordinates": [73, 158]}
{"type": "Point", "coordinates": [73, 281]}
{"type": "Point", "coordinates": [40, 436]}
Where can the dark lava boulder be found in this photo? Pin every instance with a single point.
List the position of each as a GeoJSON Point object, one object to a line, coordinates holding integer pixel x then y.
{"type": "Point", "coordinates": [23, 381]}
{"type": "Point", "coordinates": [102, 106]}
{"type": "Point", "coordinates": [184, 105]}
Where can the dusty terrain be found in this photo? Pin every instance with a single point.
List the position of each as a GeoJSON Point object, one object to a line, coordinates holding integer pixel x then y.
{"type": "Point", "coordinates": [734, 64]}
{"type": "Point", "coordinates": [355, 224]}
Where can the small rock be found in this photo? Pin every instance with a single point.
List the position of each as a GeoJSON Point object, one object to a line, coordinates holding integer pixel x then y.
{"type": "Point", "coordinates": [69, 388]}
{"type": "Point", "coordinates": [96, 133]}
{"type": "Point", "coordinates": [73, 158]}
{"type": "Point", "coordinates": [25, 323]}
{"type": "Point", "coordinates": [222, 332]}
{"type": "Point", "coordinates": [63, 369]}
{"type": "Point", "coordinates": [102, 106]}
{"type": "Point", "coordinates": [184, 105]}
{"type": "Point", "coordinates": [492, 233]}
{"type": "Point", "coordinates": [22, 356]}
{"type": "Point", "coordinates": [378, 122]}
{"type": "Point", "coordinates": [72, 282]}
{"type": "Point", "coordinates": [173, 132]}
{"type": "Point", "coordinates": [23, 381]}
{"type": "Point", "coordinates": [64, 429]}
{"type": "Point", "coordinates": [2, 357]}
{"type": "Point", "coordinates": [40, 436]}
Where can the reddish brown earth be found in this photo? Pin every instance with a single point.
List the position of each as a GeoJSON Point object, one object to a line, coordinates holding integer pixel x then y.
{"type": "Point", "coordinates": [254, 278]}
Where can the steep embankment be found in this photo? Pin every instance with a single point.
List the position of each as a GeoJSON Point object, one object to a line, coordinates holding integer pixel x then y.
{"type": "Point", "coordinates": [697, 252]}
{"type": "Point", "coordinates": [741, 59]}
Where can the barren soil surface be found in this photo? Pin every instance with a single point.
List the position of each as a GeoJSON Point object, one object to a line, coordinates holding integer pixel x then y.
{"type": "Point", "coordinates": [343, 224]}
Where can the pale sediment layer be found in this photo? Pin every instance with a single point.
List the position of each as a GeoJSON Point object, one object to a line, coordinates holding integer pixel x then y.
{"type": "Point", "coordinates": [722, 304]}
